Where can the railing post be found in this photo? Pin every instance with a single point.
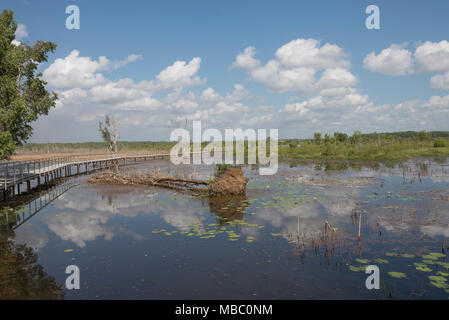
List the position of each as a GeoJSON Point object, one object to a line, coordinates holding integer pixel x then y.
{"type": "Point", "coordinates": [14, 177]}
{"type": "Point", "coordinates": [6, 176]}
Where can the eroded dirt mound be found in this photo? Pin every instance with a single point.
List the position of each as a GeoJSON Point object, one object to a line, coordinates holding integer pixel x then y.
{"type": "Point", "coordinates": [232, 182]}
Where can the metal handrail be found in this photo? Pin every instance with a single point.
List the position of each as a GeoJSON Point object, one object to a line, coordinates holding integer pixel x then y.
{"type": "Point", "coordinates": [18, 170]}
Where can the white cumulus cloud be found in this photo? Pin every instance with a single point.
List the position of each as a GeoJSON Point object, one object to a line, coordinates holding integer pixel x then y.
{"type": "Point", "coordinates": [180, 74]}
{"type": "Point", "coordinates": [395, 60]}
{"type": "Point", "coordinates": [429, 57]}
{"type": "Point", "coordinates": [296, 65]}
{"type": "Point", "coordinates": [308, 53]}
{"type": "Point", "coordinates": [246, 60]}
{"type": "Point", "coordinates": [433, 56]}
{"type": "Point", "coordinates": [76, 72]}
{"type": "Point", "coordinates": [440, 81]}
{"type": "Point", "coordinates": [210, 95]}
{"type": "Point", "coordinates": [21, 31]}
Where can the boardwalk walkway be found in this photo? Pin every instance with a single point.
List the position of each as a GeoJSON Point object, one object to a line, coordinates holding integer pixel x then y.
{"type": "Point", "coordinates": [15, 174]}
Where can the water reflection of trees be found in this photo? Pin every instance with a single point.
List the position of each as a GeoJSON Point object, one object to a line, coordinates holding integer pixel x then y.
{"type": "Point", "coordinates": [20, 275]}
{"type": "Point", "coordinates": [228, 208]}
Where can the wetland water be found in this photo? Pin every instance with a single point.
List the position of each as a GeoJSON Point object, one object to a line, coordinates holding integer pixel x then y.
{"type": "Point", "coordinates": [273, 243]}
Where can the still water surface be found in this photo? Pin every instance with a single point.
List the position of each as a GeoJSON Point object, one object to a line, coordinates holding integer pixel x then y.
{"type": "Point", "coordinates": [293, 236]}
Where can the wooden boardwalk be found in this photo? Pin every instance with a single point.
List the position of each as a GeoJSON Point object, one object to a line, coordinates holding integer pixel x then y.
{"type": "Point", "coordinates": [14, 175]}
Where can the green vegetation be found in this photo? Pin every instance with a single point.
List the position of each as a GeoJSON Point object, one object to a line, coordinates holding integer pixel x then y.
{"type": "Point", "coordinates": [440, 143]}
{"type": "Point", "coordinates": [398, 275]}
{"type": "Point", "coordinates": [221, 168]}
{"type": "Point", "coordinates": [23, 96]}
{"type": "Point", "coordinates": [122, 146]}
{"type": "Point", "coordinates": [438, 280]}
{"type": "Point", "coordinates": [375, 146]}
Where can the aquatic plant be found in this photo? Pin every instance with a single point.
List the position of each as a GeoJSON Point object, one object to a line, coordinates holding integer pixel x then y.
{"type": "Point", "coordinates": [357, 268]}
{"type": "Point", "coordinates": [362, 260]}
{"type": "Point", "coordinates": [422, 267]}
{"type": "Point", "coordinates": [398, 275]}
{"type": "Point", "coordinates": [380, 261]}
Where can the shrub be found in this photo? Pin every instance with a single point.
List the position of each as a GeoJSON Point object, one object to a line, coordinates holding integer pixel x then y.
{"type": "Point", "coordinates": [440, 143]}
{"type": "Point", "coordinates": [221, 168]}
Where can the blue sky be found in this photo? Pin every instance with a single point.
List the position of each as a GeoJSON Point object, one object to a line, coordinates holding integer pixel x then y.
{"type": "Point", "coordinates": [163, 32]}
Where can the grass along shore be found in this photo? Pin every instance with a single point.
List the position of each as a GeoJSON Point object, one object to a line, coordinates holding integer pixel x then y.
{"type": "Point", "coordinates": [374, 146]}
{"type": "Point", "coordinates": [397, 149]}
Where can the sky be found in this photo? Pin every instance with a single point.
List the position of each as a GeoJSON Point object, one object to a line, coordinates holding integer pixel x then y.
{"type": "Point", "coordinates": [296, 66]}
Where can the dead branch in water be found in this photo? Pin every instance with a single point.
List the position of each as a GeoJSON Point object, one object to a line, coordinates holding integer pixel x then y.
{"type": "Point", "coordinates": [232, 182]}
{"type": "Point", "coordinates": [154, 179]}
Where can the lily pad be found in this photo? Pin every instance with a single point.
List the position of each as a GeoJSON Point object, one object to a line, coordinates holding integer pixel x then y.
{"type": "Point", "coordinates": [391, 254]}
{"type": "Point", "coordinates": [441, 285]}
{"type": "Point", "coordinates": [397, 275]}
{"type": "Point", "coordinates": [362, 260]}
{"type": "Point", "coordinates": [357, 269]}
{"type": "Point", "coordinates": [443, 264]}
{"type": "Point", "coordinates": [422, 267]}
{"type": "Point", "coordinates": [380, 261]}
{"type": "Point", "coordinates": [434, 256]}
{"type": "Point", "coordinates": [437, 278]}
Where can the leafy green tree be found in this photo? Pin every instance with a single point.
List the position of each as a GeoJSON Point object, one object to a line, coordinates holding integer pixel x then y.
{"type": "Point", "coordinates": [340, 137]}
{"type": "Point", "coordinates": [356, 137]}
{"type": "Point", "coordinates": [23, 97]}
{"type": "Point", "coordinates": [317, 137]}
{"type": "Point", "coordinates": [440, 143]}
{"type": "Point", "coordinates": [423, 135]}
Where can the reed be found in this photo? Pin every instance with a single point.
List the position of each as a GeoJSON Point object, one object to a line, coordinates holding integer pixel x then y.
{"type": "Point", "coordinates": [360, 227]}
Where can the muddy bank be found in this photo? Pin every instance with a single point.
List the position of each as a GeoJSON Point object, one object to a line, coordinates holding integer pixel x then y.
{"type": "Point", "coordinates": [232, 182]}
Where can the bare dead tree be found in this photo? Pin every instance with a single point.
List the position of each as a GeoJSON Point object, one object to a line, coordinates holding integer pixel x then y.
{"type": "Point", "coordinates": [109, 132]}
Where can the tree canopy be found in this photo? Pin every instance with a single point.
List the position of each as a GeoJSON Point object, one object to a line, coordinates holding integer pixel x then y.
{"type": "Point", "coordinates": [23, 96]}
